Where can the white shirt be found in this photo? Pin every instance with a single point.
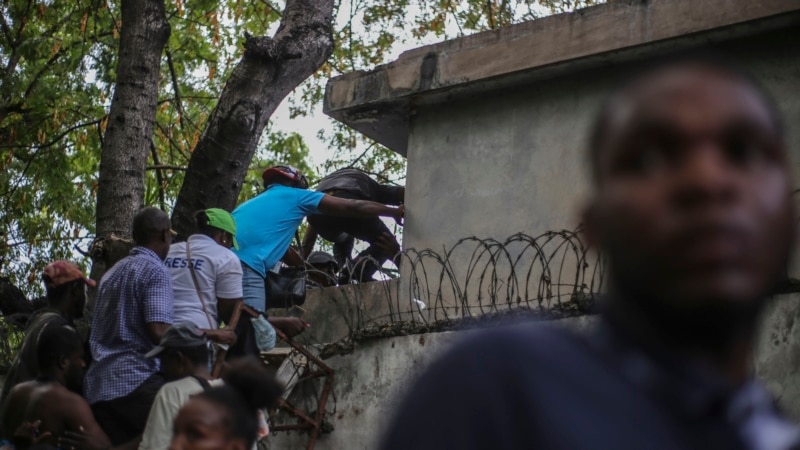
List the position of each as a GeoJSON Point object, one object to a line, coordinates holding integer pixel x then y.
{"type": "Point", "coordinates": [219, 274]}
{"type": "Point", "coordinates": [169, 400]}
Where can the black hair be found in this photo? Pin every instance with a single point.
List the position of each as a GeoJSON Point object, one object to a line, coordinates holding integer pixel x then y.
{"type": "Point", "coordinates": [197, 355]}
{"type": "Point", "coordinates": [55, 293]}
{"type": "Point", "coordinates": [147, 223]}
{"type": "Point", "coordinates": [601, 126]}
{"type": "Point", "coordinates": [248, 387]}
{"type": "Point", "coordinates": [201, 221]}
{"type": "Point", "coordinates": [57, 342]}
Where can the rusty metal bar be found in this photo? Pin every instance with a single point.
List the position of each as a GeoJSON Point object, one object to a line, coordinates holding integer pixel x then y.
{"type": "Point", "coordinates": [315, 424]}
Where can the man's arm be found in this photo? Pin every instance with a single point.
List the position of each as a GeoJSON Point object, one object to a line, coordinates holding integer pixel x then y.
{"type": "Point", "coordinates": [335, 206]}
{"type": "Point", "coordinates": [12, 411]}
{"type": "Point", "coordinates": [78, 417]}
{"type": "Point", "coordinates": [292, 258]}
{"type": "Point", "coordinates": [309, 239]}
{"type": "Point", "coordinates": [221, 335]}
{"type": "Point", "coordinates": [290, 326]}
{"type": "Point", "coordinates": [155, 330]}
{"type": "Point", "coordinates": [225, 307]}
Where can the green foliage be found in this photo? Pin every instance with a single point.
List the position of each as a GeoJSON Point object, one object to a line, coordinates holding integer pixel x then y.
{"type": "Point", "coordinates": [10, 343]}
{"type": "Point", "coordinates": [57, 69]}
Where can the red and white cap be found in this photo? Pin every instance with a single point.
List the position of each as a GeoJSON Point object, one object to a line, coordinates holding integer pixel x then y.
{"type": "Point", "coordinates": [62, 272]}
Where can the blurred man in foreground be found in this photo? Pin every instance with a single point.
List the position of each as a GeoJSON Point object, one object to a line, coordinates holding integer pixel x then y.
{"type": "Point", "coordinates": [692, 210]}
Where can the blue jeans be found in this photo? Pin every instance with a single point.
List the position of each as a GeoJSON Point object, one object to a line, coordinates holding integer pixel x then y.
{"type": "Point", "coordinates": [254, 289]}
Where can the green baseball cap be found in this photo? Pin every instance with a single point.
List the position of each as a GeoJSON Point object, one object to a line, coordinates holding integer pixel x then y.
{"type": "Point", "coordinates": [219, 218]}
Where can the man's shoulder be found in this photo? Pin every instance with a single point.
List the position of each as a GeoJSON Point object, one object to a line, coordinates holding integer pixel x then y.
{"type": "Point", "coordinates": [185, 386]}
{"type": "Point", "coordinates": [134, 263]}
{"type": "Point", "coordinates": [535, 340]}
{"type": "Point", "coordinates": [23, 389]}
{"type": "Point", "coordinates": [59, 393]}
{"type": "Point", "coordinates": [43, 319]}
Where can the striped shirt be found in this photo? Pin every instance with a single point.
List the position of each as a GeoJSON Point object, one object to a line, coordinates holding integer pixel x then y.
{"type": "Point", "coordinates": [135, 292]}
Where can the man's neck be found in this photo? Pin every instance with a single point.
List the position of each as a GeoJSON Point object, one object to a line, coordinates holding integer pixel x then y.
{"type": "Point", "coordinates": [62, 307]}
{"type": "Point", "coordinates": [724, 342]}
{"type": "Point", "coordinates": [51, 376]}
{"type": "Point", "coordinates": [201, 372]}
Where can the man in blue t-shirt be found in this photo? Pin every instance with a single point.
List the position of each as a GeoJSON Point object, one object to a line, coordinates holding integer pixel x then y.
{"type": "Point", "coordinates": [267, 223]}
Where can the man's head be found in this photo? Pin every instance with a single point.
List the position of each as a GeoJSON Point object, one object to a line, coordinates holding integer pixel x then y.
{"type": "Point", "coordinates": [219, 225]}
{"type": "Point", "coordinates": [182, 350]}
{"type": "Point", "coordinates": [151, 229]}
{"type": "Point", "coordinates": [325, 268]}
{"type": "Point", "coordinates": [65, 286]}
{"type": "Point", "coordinates": [60, 354]}
{"type": "Point", "coordinates": [692, 190]}
{"type": "Point", "coordinates": [285, 175]}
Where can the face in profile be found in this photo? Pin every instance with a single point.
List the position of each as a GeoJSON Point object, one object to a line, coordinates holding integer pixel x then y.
{"type": "Point", "coordinates": [693, 190]}
{"type": "Point", "coordinates": [76, 369]}
{"type": "Point", "coordinates": [202, 424]}
{"type": "Point", "coordinates": [80, 300]}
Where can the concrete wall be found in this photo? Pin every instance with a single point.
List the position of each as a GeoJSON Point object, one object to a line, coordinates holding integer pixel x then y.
{"type": "Point", "coordinates": [370, 381]}
{"type": "Point", "coordinates": [510, 161]}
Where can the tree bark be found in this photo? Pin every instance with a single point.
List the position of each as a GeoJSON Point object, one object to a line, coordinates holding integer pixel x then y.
{"type": "Point", "coordinates": [129, 133]}
{"type": "Point", "coordinates": [269, 69]}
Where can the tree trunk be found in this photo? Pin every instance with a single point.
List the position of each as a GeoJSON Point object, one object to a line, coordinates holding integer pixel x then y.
{"type": "Point", "coordinates": [129, 132]}
{"type": "Point", "coordinates": [269, 69]}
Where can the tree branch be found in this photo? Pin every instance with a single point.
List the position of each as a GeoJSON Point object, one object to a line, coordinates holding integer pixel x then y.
{"type": "Point", "coordinates": [159, 177]}
{"type": "Point", "coordinates": [166, 167]}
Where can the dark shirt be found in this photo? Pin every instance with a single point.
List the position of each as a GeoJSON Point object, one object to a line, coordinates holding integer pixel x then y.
{"type": "Point", "coordinates": [359, 185]}
{"type": "Point", "coordinates": [534, 386]}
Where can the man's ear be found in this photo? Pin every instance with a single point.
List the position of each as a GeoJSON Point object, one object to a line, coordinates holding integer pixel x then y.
{"type": "Point", "coordinates": [63, 362]}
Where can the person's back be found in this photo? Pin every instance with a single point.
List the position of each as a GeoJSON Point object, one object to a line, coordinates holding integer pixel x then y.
{"type": "Point", "coordinates": [57, 408]}
{"type": "Point", "coordinates": [267, 222]}
{"type": "Point", "coordinates": [359, 185]}
{"type": "Point", "coordinates": [134, 307]}
{"type": "Point", "coordinates": [170, 399]}
{"type": "Point", "coordinates": [119, 336]}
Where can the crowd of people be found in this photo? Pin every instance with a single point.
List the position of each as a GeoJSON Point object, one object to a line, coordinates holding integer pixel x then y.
{"type": "Point", "coordinates": [691, 207]}
{"type": "Point", "coordinates": [162, 319]}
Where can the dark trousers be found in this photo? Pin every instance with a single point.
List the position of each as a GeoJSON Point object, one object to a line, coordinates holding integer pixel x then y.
{"type": "Point", "coordinates": [342, 232]}
{"type": "Point", "coordinates": [124, 418]}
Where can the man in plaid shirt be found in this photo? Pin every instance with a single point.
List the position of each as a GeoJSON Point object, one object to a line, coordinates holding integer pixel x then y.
{"type": "Point", "coordinates": [134, 308]}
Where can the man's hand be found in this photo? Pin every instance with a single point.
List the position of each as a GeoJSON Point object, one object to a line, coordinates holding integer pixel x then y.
{"type": "Point", "coordinates": [224, 336]}
{"type": "Point", "coordinates": [27, 434]}
{"type": "Point", "coordinates": [399, 214]}
{"type": "Point", "coordinates": [290, 326]}
{"type": "Point", "coordinates": [388, 246]}
{"type": "Point", "coordinates": [77, 440]}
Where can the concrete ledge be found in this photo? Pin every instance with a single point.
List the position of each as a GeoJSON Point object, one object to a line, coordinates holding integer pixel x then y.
{"type": "Point", "coordinates": [378, 102]}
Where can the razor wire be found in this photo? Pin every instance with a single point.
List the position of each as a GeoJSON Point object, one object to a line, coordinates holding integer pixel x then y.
{"type": "Point", "coordinates": [472, 279]}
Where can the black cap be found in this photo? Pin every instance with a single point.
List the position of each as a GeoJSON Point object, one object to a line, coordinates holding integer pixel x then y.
{"type": "Point", "coordinates": [180, 335]}
{"type": "Point", "coordinates": [319, 258]}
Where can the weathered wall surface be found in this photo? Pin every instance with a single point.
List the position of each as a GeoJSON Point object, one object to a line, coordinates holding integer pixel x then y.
{"type": "Point", "coordinates": [511, 161]}
{"type": "Point", "coordinates": [370, 381]}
